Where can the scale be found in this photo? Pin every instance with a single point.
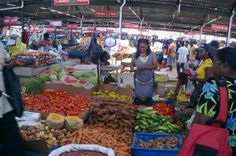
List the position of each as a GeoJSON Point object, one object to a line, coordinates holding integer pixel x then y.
{"type": "Point", "coordinates": [110, 42]}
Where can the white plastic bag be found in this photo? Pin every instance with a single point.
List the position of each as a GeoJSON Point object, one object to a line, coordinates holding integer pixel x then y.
{"type": "Point", "coordinates": [190, 121]}
{"type": "Point", "coordinates": [78, 147]}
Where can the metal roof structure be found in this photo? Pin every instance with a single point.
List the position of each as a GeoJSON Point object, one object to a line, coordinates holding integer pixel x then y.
{"type": "Point", "coordinates": [176, 15]}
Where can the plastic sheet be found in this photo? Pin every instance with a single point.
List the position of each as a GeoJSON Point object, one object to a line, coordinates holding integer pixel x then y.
{"type": "Point", "coordinates": [78, 147]}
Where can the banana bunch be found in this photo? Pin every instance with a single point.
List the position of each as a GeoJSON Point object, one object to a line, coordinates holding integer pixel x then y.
{"type": "Point", "coordinates": [161, 78]}
{"type": "Point", "coordinates": [182, 98]}
{"type": "Point", "coordinates": [149, 121]}
{"type": "Point", "coordinates": [170, 94]}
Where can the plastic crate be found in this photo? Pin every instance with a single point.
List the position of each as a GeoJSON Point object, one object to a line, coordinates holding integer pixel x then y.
{"type": "Point", "coordinates": [150, 151]}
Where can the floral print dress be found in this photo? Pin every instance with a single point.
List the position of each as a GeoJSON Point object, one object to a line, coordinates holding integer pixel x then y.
{"type": "Point", "coordinates": [209, 102]}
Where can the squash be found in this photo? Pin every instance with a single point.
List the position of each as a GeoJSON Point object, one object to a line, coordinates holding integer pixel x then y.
{"type": "Point", "coordinates": [55, 121]}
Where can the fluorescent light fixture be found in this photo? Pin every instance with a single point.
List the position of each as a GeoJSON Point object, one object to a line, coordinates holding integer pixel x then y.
{"type": "Point", "coordinates": [43, 8]}
{"type": "Point", "coordinates": [53, 10]}
{"type": "Point", "coordinates": [8, 4]}
{"type": "Point", "coordinates": [59, 12]}
{"type": "Point", "coordinates": [67, 14]}
{"type": "Point", "coordinates": [73, 16]}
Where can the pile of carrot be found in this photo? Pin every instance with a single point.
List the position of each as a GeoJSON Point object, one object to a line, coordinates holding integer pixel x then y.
{"type": "Point", "coordinates": [118, 140]}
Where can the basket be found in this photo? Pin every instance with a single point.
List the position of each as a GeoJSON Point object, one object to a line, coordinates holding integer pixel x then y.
{"type": "Point", "coordinates": [153, 152]}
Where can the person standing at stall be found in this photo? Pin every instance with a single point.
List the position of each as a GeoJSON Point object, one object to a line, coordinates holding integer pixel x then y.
{"type": "Point", "coordinates": [203, 72]}
{"type": "Point", "coordinates": [182, 54]}
{"type": "Point", "coordinates": [146, 62]}
{"type": "Point", "coordinates": [171, 53]}
{"type": "Point", "coordinates": [208, 106]}
{"type": "Point", "coordinates": [10, 138]}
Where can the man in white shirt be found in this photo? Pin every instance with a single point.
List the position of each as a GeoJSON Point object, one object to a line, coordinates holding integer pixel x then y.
{"type": "Point", "coordinates": [182, 58]}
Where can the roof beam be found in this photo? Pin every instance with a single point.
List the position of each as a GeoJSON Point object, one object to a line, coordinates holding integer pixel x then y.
{"type": "Point", "coordinates": [167, 5]}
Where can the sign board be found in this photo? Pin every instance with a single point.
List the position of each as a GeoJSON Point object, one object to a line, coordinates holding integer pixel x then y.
{"type": "Point", "coordinates": [55, 23]}
{"type": "Point", "coordinates": [7, 21]}
{"type": "Point", "coordinates": [208, 30]}
{"type": "Point", "coordinates": [90, 28]}
{"type": "Point", "coordinates": [234, 25]}
{"type": "Point", "coordinates": [106, 13]}
{"type": "Point", "coordinates": [71, 2]}
{"type": "Point", "coordinates": [128, 25]}
{"type": "Point", "coordinates": [219, 27]}
{"type": "Point", "coordinates": [72, 26]}
{"type": "Point", "coordinates": [131, 25]}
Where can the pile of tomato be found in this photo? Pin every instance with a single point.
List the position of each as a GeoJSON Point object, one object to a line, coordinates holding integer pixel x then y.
{"type": "Point", "coordinates": [56, 102]}
{"type": "Point", "coordinates": [164, 109]}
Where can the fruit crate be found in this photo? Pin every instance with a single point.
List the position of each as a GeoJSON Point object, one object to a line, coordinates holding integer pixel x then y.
{"type": "Point", "coordinates": [151, 151]}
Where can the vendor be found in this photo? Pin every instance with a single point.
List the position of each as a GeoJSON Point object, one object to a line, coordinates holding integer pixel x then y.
{"type": "Point", "coordinates": [145, 62]}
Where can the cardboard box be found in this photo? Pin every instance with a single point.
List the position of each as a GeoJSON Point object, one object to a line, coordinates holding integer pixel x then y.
{"type": "Point", "coordinates": [69, 89]}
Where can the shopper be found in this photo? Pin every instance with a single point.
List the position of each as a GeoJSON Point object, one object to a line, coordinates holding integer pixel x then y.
{"type": "Point", "coordinates": [145, 62]}
{"type": "Point", "coordinates": [191, 51]}
{"type": "Point", "coordinates": [224, 67]}
{"type": "Point", "coordinates": [10, 138]}
{"type": "Point", "coordinates": [182, 54]}
{"type": "Point", "coordinates": [202, 74]}
{"type": "Point", "coordinates": [203, 71]}
{"type": "Point", "coordinates": [171, 53]}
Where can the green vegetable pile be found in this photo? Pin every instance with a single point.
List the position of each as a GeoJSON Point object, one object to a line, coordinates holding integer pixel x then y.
{"type": "Point", "coordinates": [32, 86]}
{"type": "Point", "coordinates": [149, 121]}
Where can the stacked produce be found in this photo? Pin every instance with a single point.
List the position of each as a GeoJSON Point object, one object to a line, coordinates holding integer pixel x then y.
{"type": "Point", "coordinates": [57, 121]}
{"type": "Point", "coordinates": [32, 86]}
{"type": "Point", "coordinates": [150, 121]}
{"type": "Point", "coordinates": [70, 76]}
{"type": "Point", "coordinates": [164, 109]}
{"type": "Point", "coordinates": [183, 98]}
{"type": "Point", "coordinates": [78, 48]}
{"type": "Point", "coordinates": [56, 102]}
{"type": "Point", "coordinates": [37, 59]}
{"type": "Point", "coordinates": [161, 78]}
{"type": "Point", "coordinates": [160, 143]}
{"type": "Point", "coordinates": [53, 137]}
{"type": "Point", "coordinates": [112, 95]}
{"type": "Point", "coordinates": [99, 134]}
{"type": "Point", "coordinates": [112, 114]}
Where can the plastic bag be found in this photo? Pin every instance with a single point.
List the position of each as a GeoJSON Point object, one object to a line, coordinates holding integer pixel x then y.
{"type": "Point", "coordinates": [78, 147]}
{"type": "Point", "coordinates": [189, 122]}
{"type": "Point", "coordinates": [94, 50]}
{"type": "Point", "coordinates": [189, 88]}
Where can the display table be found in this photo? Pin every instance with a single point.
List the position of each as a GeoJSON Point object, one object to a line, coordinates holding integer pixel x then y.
{"type": "Point", "coordinates": [28, 71]}
{"type": "Point", "coordinates": [71, 62]}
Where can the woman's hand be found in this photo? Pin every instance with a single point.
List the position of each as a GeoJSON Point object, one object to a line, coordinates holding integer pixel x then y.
{"type": "Point", "coordinates": [141, 68]}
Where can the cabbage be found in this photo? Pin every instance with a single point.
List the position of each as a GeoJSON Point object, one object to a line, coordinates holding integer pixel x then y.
{"type": "Point", "coordinates": [56, 68]}
{"type": "Point", "coordinates": [53, 77]}
{"type": "Point", "coordinates": [93, 80]}
{"type": "Point", "coordinates": [78, 74]}
{"type": "Point", "coordinates": [89, 74]}
{"type": "Point", "coordinates": [61, 75]}
{"type": "Point", "coordinates": [44, 77]}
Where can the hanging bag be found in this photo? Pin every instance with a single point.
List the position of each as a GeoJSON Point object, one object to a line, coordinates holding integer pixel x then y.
{"type": "Point", "coordinates": [13, 89]}
{"type": "Point", "coordinates": [210, 140]}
